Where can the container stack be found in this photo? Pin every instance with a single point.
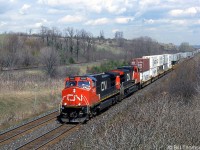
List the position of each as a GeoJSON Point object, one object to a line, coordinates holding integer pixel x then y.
{"type": "Point", "coordinates": [144, 68]}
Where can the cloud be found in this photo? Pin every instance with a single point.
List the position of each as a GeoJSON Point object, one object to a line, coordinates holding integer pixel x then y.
{"type": "Point", "coordinates": [100, 21]}
{"type": "Point", "coordinates": [55, 11]}
{"type": "Point", "coordinates": [111, 6]}
{"type": "Point", "coordinates": [146, 3]}
{"type": "Point", "coordinates": [192, 11]}
{"type": "Point", "coordinates": [167, 21]}
{"type": "Point", "coordinates": [149, 21]}
{"type": "Point", "coordinates": [23, 10]}
{"type": "Point", "coordinates": [124, 20]}
{"type": "Point", "coordinates": [41, 23]}
{"type": "Point", "coordinates": [2, 23]}
{"type": "Point", "coordinates": [115, 30]}
{"type": "Point", "coordinates": [71, 19]}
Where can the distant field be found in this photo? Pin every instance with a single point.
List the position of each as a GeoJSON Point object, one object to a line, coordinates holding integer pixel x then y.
{"type": "Point", "coordinates": [106, 47]}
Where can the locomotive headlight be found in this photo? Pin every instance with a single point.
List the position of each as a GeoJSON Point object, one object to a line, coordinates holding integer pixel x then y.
{"type": "Point", "coordinates": [80, 114]}
{"type": "Point", "coordinates": [65, 104]}
{"type": "Point", "coordinates": [74, 90]}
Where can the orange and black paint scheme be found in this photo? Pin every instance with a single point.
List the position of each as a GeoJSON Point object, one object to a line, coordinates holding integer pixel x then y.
{"type": "Point", "coordinates": [85, 96]}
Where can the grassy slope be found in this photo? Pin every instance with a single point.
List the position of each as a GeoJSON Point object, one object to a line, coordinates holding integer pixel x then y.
{"type": "Point", "coordinates": [26, 93]}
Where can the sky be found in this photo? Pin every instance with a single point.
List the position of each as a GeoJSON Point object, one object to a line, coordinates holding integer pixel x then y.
{"type": "Point", "coordinates": [166, 21]}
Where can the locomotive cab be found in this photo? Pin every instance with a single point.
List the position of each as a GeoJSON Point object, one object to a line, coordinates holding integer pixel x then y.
{"type": "Point", "coordinates": [84, 96]}
{"type": "Point", "coordinates": [77, 96]}
{"type": "Point", "coordinates": [134, 71]}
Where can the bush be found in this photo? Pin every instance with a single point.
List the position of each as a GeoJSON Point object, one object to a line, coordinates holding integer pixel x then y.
{"type": "Point", "coordinates": [50, 59]}
{"type": "Point", "coordinates": [71, 60]}
{"type": "Point", "coordinates": [183, 81]}
{"type": "Point", "coordinates": [106, 66]}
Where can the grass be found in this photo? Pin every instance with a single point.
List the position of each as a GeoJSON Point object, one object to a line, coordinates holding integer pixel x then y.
{"type": "Point", "coordinates": [106, 47]}
{"type": "Point", "coordinates": [27, 93]}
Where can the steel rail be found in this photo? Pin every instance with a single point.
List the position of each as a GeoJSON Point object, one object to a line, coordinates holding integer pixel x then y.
{"type": "Point", "coordinates": [10, 134]}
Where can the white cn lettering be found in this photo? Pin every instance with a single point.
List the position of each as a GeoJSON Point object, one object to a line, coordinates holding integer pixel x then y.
{"type": "Point", "coordinates": [71, 97]}
{"type": "Point", "coordinates": [103, 85]}
{"type": "Point", "coordinates": [128, 77]}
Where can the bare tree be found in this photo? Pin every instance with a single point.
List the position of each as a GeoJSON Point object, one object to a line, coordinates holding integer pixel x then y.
{"type": "Point", "coordinates": [26, 57]}
{"type": "Point", "coordinates": [71, 36]}
{"type": "Point", "coordinates": [77, 37]}
{"type": "Point", "coordinates": [101, 36]}
{"type": "Point", "coordinates": [89, 42]}
{"type": "Point", "coordinates": [50, 59]}
{"type": "Point", "coordinates": [185, 46]}
{"type": "Point", "coordinates": [83, 35]}
{"type": "Point", "coordinates": [119, 38]}
{"type": "Point", "coordinates": [11, 46]}
{"type": "Point", "coordinates": [43, 33]}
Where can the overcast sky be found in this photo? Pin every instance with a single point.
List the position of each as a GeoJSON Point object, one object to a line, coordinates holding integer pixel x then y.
{"type": "Point", "coordinates": [168, 21]}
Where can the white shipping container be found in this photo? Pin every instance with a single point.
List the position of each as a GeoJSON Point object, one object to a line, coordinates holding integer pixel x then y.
{"type": "Point", "coordinates": [183, 55]}
{"type": "Point", "coordinates": [165, 57]}
{"type": "Point", "coordinates": [144, 76]}
{"type": "Point", "coordinates": [174, 57]}
{"type": "Point", "coordinates": [165, 67]}
{"type": "Point", "coordinates": [160, 60]}
{"type": "Point", "coordinates": [169, 60]}
{"type": "Point", "coordinates": [189, 54]}
{"type": "Point", "coordinates": [153, 60]}
{"type": "Point", "coordinates": [178, 56]}
{"type": "Point", "coordinates": [153, 72]}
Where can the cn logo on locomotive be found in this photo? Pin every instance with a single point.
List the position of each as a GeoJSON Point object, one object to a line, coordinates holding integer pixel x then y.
{"type": "Point", "coordinates": [103, 85]}
{"type": "Point", "coordinates": [72, 97]}
{"type": "Point", "coordinates": [128, 77]}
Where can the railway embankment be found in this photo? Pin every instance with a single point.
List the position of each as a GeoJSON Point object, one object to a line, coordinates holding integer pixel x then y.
{"type": "Point", "coordinates": [163, 115]}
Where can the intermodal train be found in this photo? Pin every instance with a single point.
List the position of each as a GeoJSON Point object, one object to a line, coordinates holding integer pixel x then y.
{"type": "Point", "coordinates": [85, 96]}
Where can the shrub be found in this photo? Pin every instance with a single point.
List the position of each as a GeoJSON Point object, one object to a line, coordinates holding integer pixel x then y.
{"type": "Point", "coordinates": [71, 60]}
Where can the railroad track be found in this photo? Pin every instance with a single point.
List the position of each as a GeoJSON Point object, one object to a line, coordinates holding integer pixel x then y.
{"type": "Point", "coordinates": [15, 133]}
{"type": "Point", "coordinates": [49, 138]}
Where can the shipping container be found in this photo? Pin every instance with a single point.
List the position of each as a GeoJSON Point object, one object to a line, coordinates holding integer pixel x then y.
{"type": "Point", "coordinates": [183, 55]}
{"type": "Point", "coordinates": [144, 76]}
{"type": "Point", "coordinates": [153, 60]}
{"type": "Point", "coordinates": [169, 58]}
{"type": "Point", "coordinates": [175, 58]}
{"type": "Point", "coordinates": [160, 60]}
{"type": "Point", "coordinates": [160, 69]}
{"type": "Point", "coordinates": [153, 72]}
{"type": "Point", "coordinates": [165, 67]}
{"type": "Point", "coordinates": [165, 58]}
{"type": "Point", "coordinates": [142, 63]}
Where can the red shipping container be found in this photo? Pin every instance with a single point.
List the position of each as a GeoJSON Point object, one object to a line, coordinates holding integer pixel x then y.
{"type": "Point", "coordinates": [142, 63]}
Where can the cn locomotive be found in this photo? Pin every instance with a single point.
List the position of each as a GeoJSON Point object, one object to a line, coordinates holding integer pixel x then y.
{"type": "Point", "coordinates": [85, 96]}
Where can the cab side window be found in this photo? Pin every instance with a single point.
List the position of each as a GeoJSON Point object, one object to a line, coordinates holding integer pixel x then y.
{"type": "Point", "coordinates": [70, 83]}
{"type": "Point", "coordinates": [93, 83]}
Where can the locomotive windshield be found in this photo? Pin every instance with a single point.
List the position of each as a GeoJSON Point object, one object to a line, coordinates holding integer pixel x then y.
{"type": "Point", "coordinates": [70, 83]}
{"type": "Point", "coordinates": [83, 84]}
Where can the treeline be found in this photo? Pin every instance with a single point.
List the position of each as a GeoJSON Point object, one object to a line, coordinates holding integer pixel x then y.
{"type": "Point", "coordinates": [52, 47]}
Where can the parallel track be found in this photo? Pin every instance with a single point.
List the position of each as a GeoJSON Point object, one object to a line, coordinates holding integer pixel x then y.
{"type": "Point", "coordinates": [17, 132]}
{"type": "Point", "coordinates": [49, 138]}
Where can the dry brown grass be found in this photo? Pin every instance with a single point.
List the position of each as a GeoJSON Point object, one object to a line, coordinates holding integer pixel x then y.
{"type": "Point", "coordinates": [27, 93]}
